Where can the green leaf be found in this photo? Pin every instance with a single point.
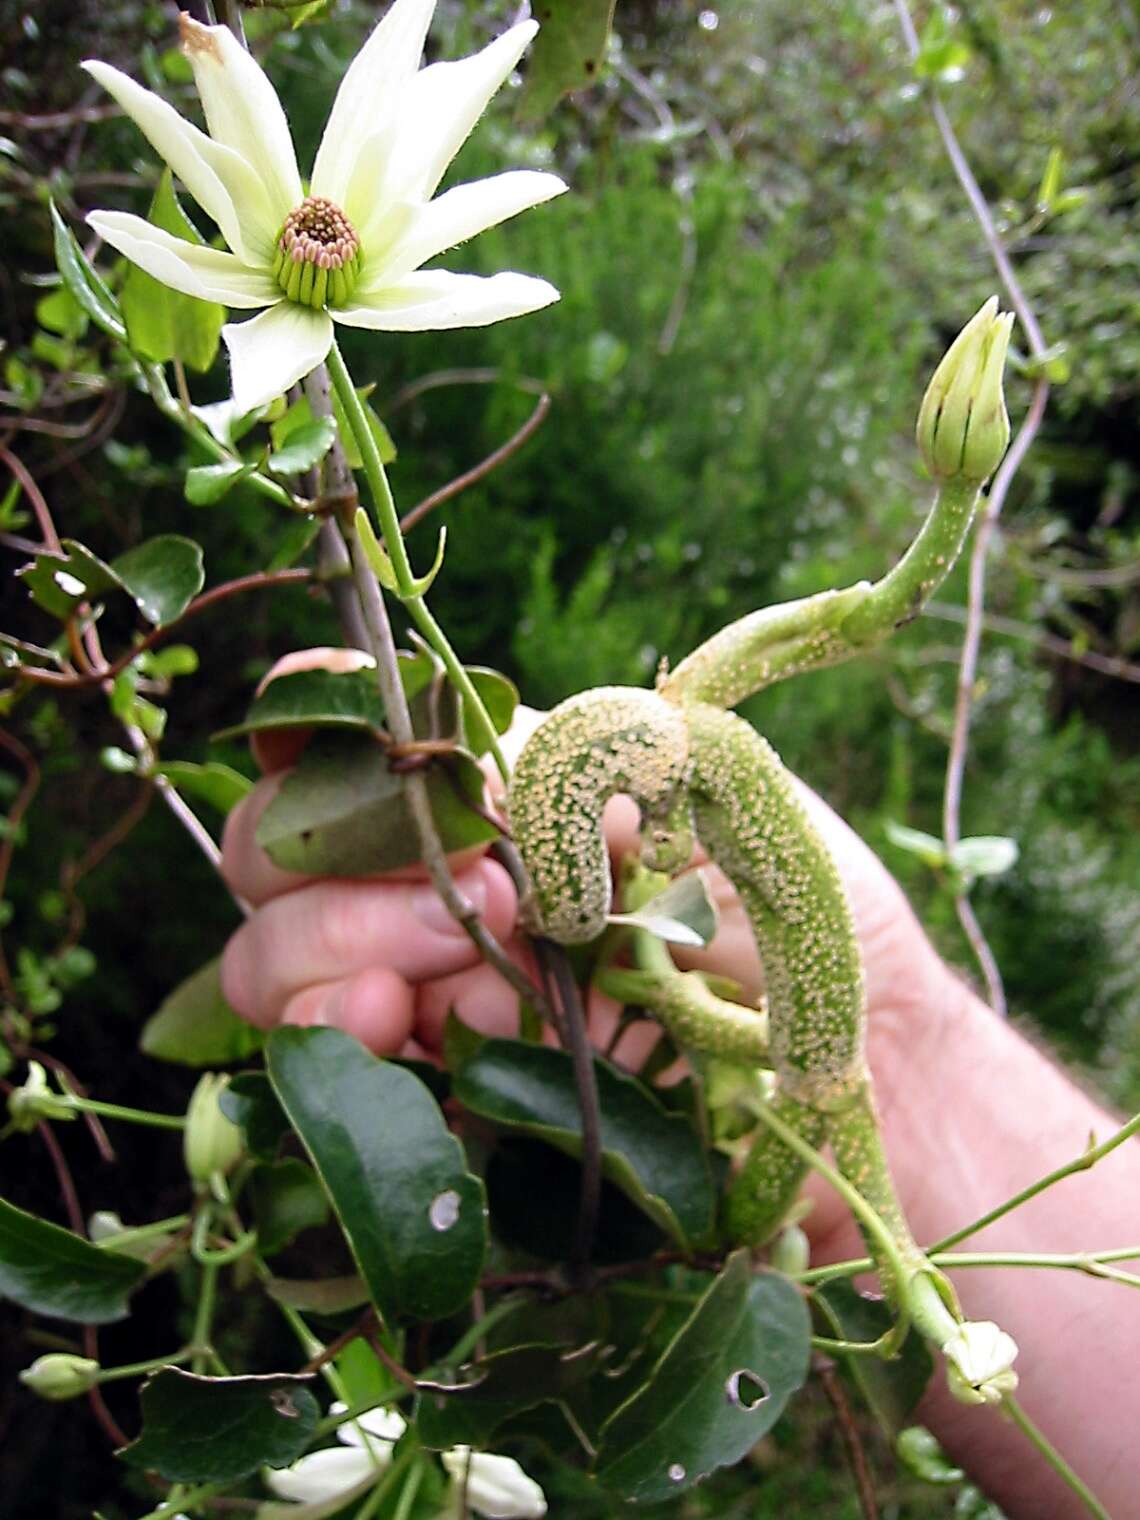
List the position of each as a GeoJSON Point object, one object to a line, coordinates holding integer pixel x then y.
{"type": "Point", "coordinates": [682, 914]}
{"type": "Point", "coordinates": [379, 560]}
{"type": "Point", "coordinates": [215, 1430]}
{"type": "Point", "coordinates": [930, 851]}
{"type": "Point", "coordinates": [61, 313]}
{"type": "Point", "coordinates": [164, 575]}
{"type": "Point", "coordinates": [721, 1384]}
{"type": "Point", "coordinates": [381, 435]}
{"type": "Point", "coordinates": [59, 582]}
{"type": "Point", "coordinates": [499, 694]}
{"type": "Point", "coordinates": [942, 54]}
{"type": "Point", "coordinates": [1051, 179]}
{"type": "Point", "coordinates": [51, 1271]}
{"type": "Point", "coordinates": [567, 54]}
{"type": "Point", "coordinates": [163, 324]}
{"type": "Point", "coordinates": [653, 1156]}
{"type": "Point", "coordinates": [324, 1295]}
{"type": "Point", "coordinates": [195, 1026]}
{"type": "Point", "coordinates": [219, 785]}
{"type": "Point", "coordinates": [498, 1386]}
{"type": "Point", "coordinates": [892, 1389]}
{"type": "Point", "coordinates": [81, 279]}
{"type": "Point", "coordinates": [314, 699]}
{"type": "Point", "coordinates": [304, 447]}
{"type": "Point", "coordinates": [920, 1453]}
{"type": "Point", "coordinates": [252, 1104]}
{"type": "Point", "coordinates": [287, 1198]}
{"type": "Point", "coordinates": [984, 855]}
{"type": "Point", "coordinates": [208, 483]}
{"type": "Point", "coordinates": [295, 537]}
{"type": "Point", "coordinates": [412, 1214]}
{"type": "Point", "coordinates": [342, 811]}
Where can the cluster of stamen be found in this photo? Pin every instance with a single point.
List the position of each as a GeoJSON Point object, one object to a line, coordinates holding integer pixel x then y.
{"type": "Point", "coordinates": [318, 254]}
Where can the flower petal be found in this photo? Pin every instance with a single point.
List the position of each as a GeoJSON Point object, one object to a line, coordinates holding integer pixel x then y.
{"type": "Point", "coordinates": [443, 103]}
{"type": "Point", "coordinates": [494, 1486]}
{"type": "Point", "coordinates": [220, 180]}
{"type": "Point", "coordinates": [273, 351]}
{"type": "Point", "coordinates": [196, 271]}
{"type": "Point", "coordinates": [243, 111]}
{"type": "Point", "coordinates": [378, 1428]}
{"type": "Point", "coordinates": [371, 92]}
{"type": "Point", "coordinates": [436, 298]}
{"type": "Point", "coordinates": [456, 216]}
{"type": "Point", "coordinates": [321, 1474]}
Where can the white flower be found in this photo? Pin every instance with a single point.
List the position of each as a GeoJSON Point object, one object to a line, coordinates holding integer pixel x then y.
{"type": "Point", "coordinates": [367, 1451]}
{"type": "Point", "coordinates": [980, 1359]}
{"type": "Point", "coordinates": [496, 1487]}
{"type": "Point", "coordinates": [350, 248]}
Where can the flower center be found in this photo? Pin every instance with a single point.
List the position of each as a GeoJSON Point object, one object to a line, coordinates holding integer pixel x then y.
{"type": "Point", "coordinates": [318, 254]}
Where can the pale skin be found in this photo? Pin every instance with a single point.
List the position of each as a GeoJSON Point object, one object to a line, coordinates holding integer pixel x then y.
{"type": "Point", "coordinates": [971, 1112]}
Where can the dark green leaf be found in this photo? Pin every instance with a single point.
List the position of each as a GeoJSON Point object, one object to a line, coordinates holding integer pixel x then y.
{"type": "Point", "coordinates": [214, 1430]}
{"type": "Point", "coordinates": [164, 575]}
{"type": "Point", "coordinates": [252, 1104]}
{"type": "Point", "coordinates": [343, 812]}
{"type": "Point", "coordinates": [287, 1198]}
{"type": "Point", "coordinates": [413, 1216]}
{"type": "Point", "coordinates": [82, 280]}
{"type": "Point", "coordinates": [59, 582]}
{"type": "Point", "coordinates": [892, 1389]}
{"type": "Point", "coordinates": [304, 447]}
{"type": "Point", "coordinates": [498, 1386]}
{"type": "Point", "coordinates": [295, 538]}
{"type": "Point", "coordinates": [51, 1271]}
{"type": "Point", "coordinates": [163, 324]}
{"type": "Point", "coordinates": [567, 54]}
{"type": "Point", "coordinates": [208, 483]}
{"type": "Point", "coordinates": [721, 1384]}
{"type": "Point", "coordinates": [322, 1295]}
{"type": "Point", "coordinates": [654, 1157]}
{"type": "Point", "coordinates": [195, 1026]}
{"type": "Point", "coordinates": [219, 785]}
{"type": "Point", "coordinates": [314, 699]}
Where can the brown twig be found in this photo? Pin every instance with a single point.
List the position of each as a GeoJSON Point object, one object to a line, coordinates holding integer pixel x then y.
{"type": "Point", "coordinates": [1104, 664]}
{"type": "Point", "coordinates": [849, 1434]}
{"type": "Point", "coordinates": [439, 378]}
{"type": "Point", "coordinates": [73, 872]}
{"type": "Point", "coordinates": [255, 582]}
{"type": "Point", "coordinates": [94, 1123]}
{"type": "Point", "coordinates": [36, 498]}
{"type": "Point", "coordinates": [53, 121]}
{"type": "Point", "coordinates": [484, 467]}
{"type": "Point", "coordinates": [330, 1352]}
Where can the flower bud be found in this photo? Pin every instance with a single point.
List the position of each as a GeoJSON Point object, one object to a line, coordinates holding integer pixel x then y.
{"type": "Point", "coordinates": [496, 1487]}
{"type": "Point", "coordinates": [791, 1251]}
{"type": "Point", "coordinates": [35, 1100]}
{"type": "Point", "coordinates": [963, 427]}
{"type": "Point", "coordinates": [979, 1362]}
{"type": "Point", "coordinates": [60, 1376]}
{"type": "Point", "coordinates": [211, 1142]}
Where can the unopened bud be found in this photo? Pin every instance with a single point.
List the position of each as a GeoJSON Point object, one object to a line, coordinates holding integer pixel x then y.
{"type": "Point", "coordinates": [495, 1487]}
{"type": "Point", "coordinates": [791, 1251]}
{"type": "Point", "coordinates": [60, 1376]}
{"type": "Point", "coordinates": [963, 427]}
{"type": "Point", "coordinates": [212, 1143]}
{"type": "Point", "coordinates": [35, 1100]}
{"type": "Point", "coordinates": [979, 1363]}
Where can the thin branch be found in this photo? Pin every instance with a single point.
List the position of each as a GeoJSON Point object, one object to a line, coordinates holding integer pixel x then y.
{"type": "Point", "coordinates": [438, 378]}
{"type": "Point", "coordinates": [36, 498]}
{"type": "Point", "coordinates": [849, 1434]}
{"type": "Point", "coordinates": [484, 467]}
{"type": "Point", "coordinates": [1051, 643]}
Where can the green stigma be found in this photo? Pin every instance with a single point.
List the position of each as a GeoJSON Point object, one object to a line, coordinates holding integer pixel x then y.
{"type": "Point", "coordinates": [318, 257]}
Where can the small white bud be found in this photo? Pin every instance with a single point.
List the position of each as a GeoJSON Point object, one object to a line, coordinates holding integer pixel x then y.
{"type": "Point", "coordinates": [496, 1487]}
{"type": "Point", "coordinates": [60, 1376]}
{"type": "Point", "coordinates": [979, 1358]}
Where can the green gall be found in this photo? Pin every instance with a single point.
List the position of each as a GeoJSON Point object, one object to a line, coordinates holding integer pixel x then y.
{"type": "Point", "coordinates": [60, 1376]}
{"type": "Point", "coordinates": [212, 1144]}
{"type": "Point", "coordinates": [963, 427]}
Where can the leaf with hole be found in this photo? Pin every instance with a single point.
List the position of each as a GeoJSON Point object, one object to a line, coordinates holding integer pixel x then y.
{"type": "Point", "coordinates": [413, 1216]}
{"type": "Point", "coordinates": [215, 1430]}
{"type": "Point", "coordinates": [721, 1384]}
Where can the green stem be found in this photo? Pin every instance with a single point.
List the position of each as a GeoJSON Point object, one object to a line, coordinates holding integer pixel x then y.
{"type": "Point", "coordinates": [389, 521]}
{"type": "Point", "coordinates": [1065, 1261]}
{"type": "Point", "coordinates": [881, 1347]}
{"type": "Point", "coordinates": [204, 1318]}
{"type": "Point", "coordinates": [1054, 1458]}
{"type": "Point", "coordinates": [143, 1232]}
{"type": "Point", "coordinates": [180, 1498]}
{"type": "Point", "coordinates": [408, 1495]}
{"type": "Point", "coordinates": [1082, 1163]}
{"type": "Point", "coordinates": [128, 1115]}
{"type": "Point", "coordinates": [140, 1369]}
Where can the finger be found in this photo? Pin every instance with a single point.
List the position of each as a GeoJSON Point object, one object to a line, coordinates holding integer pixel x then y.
{"type": "Point", "coordinates": [275, 749]}
{"type": "Point", "coordinates": [246, 868]}
{"type": "Point", "coordinates": [330, 930]}
{"type": "Point", "coordinates": [479, 996]}
{"type": "Point", "coordinates": [375, 1006]}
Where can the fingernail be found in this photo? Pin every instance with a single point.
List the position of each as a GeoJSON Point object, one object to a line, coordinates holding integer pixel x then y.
{"type": "Point", "coordinates": [434, 914]}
